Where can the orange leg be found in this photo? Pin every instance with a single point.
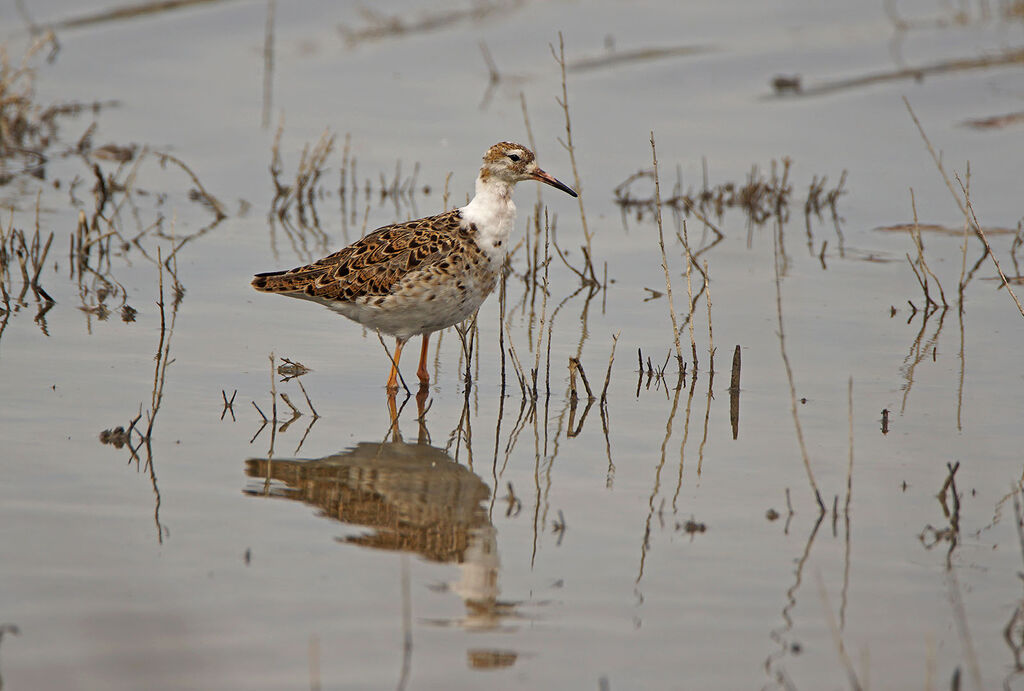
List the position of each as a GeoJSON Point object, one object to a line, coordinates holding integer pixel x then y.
{"type": "Point", "coordinates": [422, 371]}
{"type": "Point", "coordinates": [393, 379]}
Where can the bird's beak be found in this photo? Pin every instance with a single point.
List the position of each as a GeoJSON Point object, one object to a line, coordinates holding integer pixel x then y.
{"type": "Point", "coordinates": [540, 176]}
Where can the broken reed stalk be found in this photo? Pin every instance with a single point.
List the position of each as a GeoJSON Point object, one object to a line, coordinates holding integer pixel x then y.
{"type": "Point", "coordinates": [734, 393]}
{"type": "Point", "coordinates": [915, 234]}
{"type": "Point", "coordinates": [608, 374]}
{"type": "Point", "coordinates": [570, 147]}
{"type": "Point", "coordinates": [964, 204]}
{"type": "Point", "coordinates": [689, 293]}
{"type": "Point", "coordinates": [711, 337]}
{"type": "Point", "coordinates": [664, 259]}
{"type": "Point", "coordinates": [576, 366]}
{"type": "Point", "coordinates": [516, 364]}
{"type": "Point", "coordinates": [963, 249]}
{"type": "Point", "coordinates": [308, 402]}
{"type": "Point", "coordinates": [295, 411]}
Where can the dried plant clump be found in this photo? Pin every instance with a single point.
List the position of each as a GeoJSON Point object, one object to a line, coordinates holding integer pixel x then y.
{"type": "Point", "coordinates": [28, 129]}
{"type": "Point", "coordinates": [761, 196]}
{"type": "Point", "coordinates": [22, 122]}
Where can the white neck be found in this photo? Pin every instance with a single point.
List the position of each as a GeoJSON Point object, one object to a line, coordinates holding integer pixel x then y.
{"type": "Point", "coordinates": [493, 213]}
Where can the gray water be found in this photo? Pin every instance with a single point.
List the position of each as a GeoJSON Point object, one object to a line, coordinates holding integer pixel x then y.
{"type": "Point", "coordinates": [509, 542]}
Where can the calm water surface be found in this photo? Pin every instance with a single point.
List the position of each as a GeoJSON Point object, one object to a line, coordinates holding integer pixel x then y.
{"type": "Point", "coordinates": [492, 540]}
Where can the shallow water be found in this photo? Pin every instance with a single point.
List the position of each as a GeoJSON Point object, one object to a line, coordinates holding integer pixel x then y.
{"type": "Point", "coordinates": [504, 542]}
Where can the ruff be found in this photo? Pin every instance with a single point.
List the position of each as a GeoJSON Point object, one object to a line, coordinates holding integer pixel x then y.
{"type": "Point", "coordinates": [415, 278]}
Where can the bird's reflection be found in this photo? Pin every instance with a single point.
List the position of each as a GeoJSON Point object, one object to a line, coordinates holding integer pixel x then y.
{"type": "Point", "coordinates": [413, 497]}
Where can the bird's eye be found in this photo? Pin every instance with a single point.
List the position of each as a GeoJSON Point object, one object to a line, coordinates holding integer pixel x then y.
{"type": "Point", "coordinates": [514, 157]}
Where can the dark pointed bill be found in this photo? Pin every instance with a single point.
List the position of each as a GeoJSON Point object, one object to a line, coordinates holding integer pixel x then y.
{"type": "Point", "coordinates": [541, 176]}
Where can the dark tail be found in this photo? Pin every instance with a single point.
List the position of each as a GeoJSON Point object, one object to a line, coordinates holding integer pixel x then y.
{"type": "Point", "coordinates": [293, 281]}
{"type": "Point", "coordinates": [268, 282]}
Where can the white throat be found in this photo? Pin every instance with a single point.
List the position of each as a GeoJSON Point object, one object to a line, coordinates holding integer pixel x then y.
{"type": "Point", "coordinates": [494, 214]}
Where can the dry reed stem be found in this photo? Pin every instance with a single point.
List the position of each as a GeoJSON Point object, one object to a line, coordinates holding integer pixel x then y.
{"type": "Point", "coordinates": [789, 378]}
{"type": "Point", "coordinates": [689, 294]}
{"type": "Point", "coordinates": [961, 286]}
{"type": "Point", "coordinates": [664, 257]}
{"type": "Point", "coordinates": [516, 364]}
{"type": "Point", "coordinates": [964, 204]}
{"type": "Point", "coordinates": [849, 465]}
{"type": "Point", "coordinates": [295, 411]}
{"type": "Point", "coordinates": [837, 636]}
{"type": "Point", "coordinates": [608, 374]}
{"type": "Point", "coordinates": [529, 138]}
{"type": "Point", "coordinates": [981, 234]}
{"type": "Point", "coordinates": [570, 147]}
{"type": "Point", "coordinates": [543, 305]}
{"type": "Point", "coordinates": [734, 394]}
{"type": "Point", "coordinates": [212, 201]}
{"type": "Point", "coordinates": [393, 363]}
{"type": "Point", "coordinates": [574, 366]}
{"type": "Point", "coordinates": [915, 234]}
{"type": "Point", "coordinates": [711, 335]}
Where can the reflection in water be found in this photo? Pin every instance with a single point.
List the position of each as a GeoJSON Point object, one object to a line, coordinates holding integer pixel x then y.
{"type": "Point", "coordinates": [414, 498]}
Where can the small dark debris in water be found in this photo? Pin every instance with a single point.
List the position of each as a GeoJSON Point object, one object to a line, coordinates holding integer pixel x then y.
{"type": "Point", "coordinates": [771, 514]}
{"type": "Point", "coordinates": [995, 121]}
{"type": "Point", "coordinates": [885, 421]}
{"type": "Point", "coordinates": [115, 152]}
{"type": "Point", "coordinates": [101, 311]}
{"type": "Point", "coordinates": [248, 556]}
{"type": "Point", "coordinates": [128, 313]}
{"type": "Point", "coordinates": [892, 311]}
{"type": "Point", "coordinates": [491, 659]}
{"type": "Point", "coordinates": [786, 83]}
{"type": "Point", "coordinates": [803, 401]}
{"type": "Point", "coordinates": [118, 437]}
{"type": "Point", "coordinates": [796, 648]}
{"type": "Point", "coordinates": [514, 505]}
{"type": "Point", "coordinates": [932, 536]}
{"type": "Point", "coordinates": [692, 527]}
{"type": "Point", "coordinates": [905, 486]}
{"type": "Point", "coordinates": [558, 527]}
{"type": "Point", "coordinates": [229, 405]}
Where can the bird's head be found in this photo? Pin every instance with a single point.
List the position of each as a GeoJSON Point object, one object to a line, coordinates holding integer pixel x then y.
{"type": "Point", "coordinates": [510, 163]}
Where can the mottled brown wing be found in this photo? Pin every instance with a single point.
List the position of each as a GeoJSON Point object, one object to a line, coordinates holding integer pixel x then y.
{"type": "Point", "coordinates": [371, 266]}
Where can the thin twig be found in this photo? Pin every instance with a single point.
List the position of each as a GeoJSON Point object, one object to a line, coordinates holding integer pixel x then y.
{"type": "Point", "coordinates": [664, 258]}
